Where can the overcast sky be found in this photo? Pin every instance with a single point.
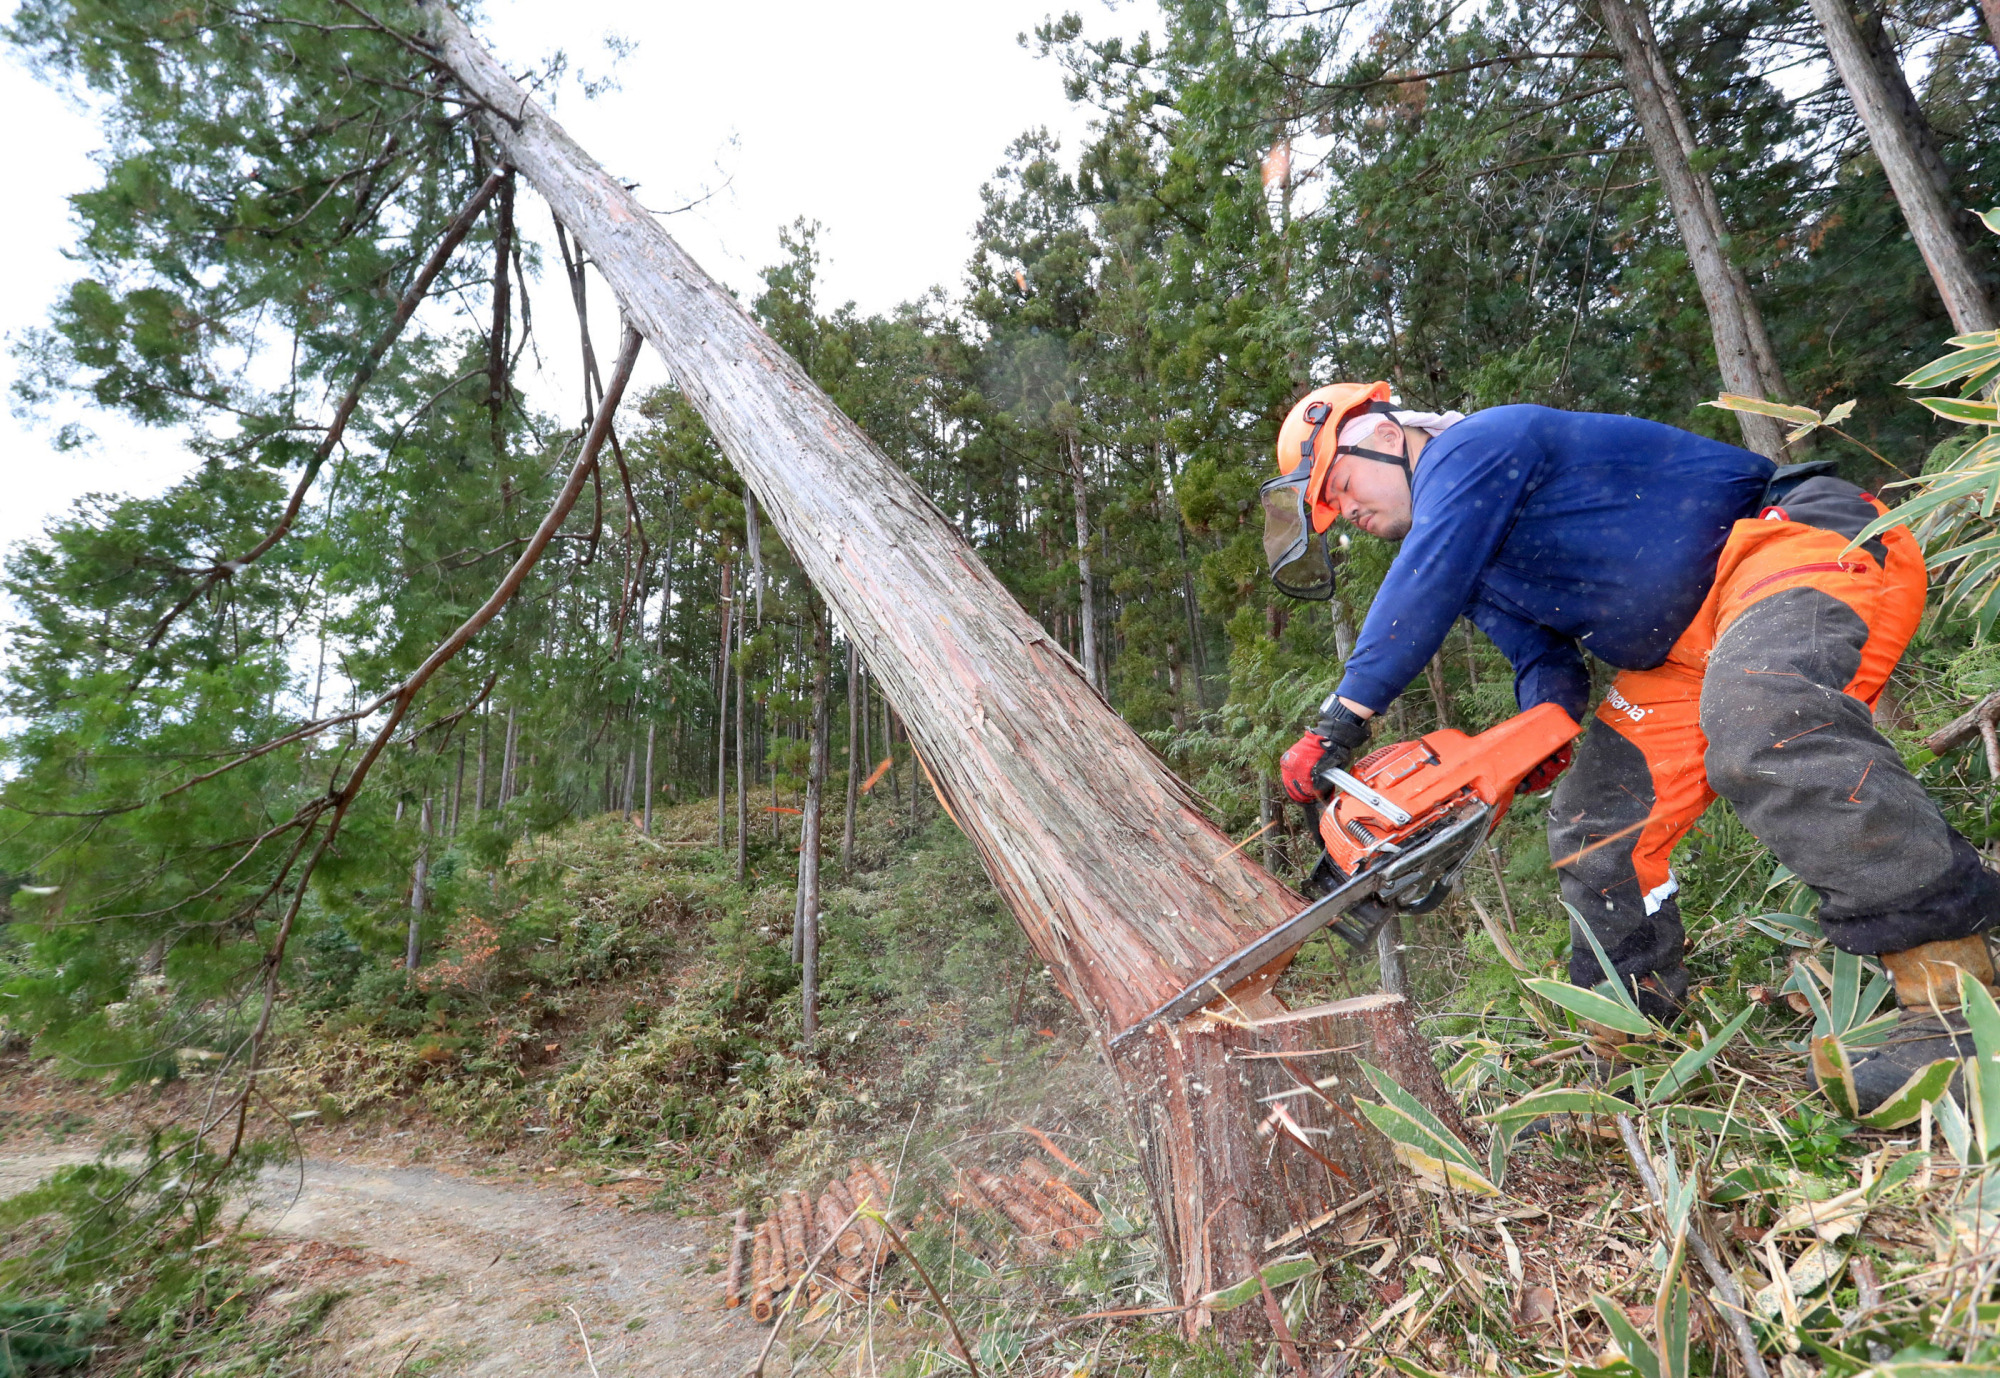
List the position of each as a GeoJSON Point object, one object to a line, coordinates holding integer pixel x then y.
{"type": "Point", "coordinates": [880, 120]}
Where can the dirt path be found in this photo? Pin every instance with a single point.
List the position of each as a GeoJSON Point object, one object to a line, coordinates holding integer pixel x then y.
{"type": "Point", "coordinates": [452, 1275]}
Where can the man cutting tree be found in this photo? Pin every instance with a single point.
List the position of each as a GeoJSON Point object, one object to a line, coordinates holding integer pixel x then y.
{"type": "Point", "coordinates": [1751, 647]}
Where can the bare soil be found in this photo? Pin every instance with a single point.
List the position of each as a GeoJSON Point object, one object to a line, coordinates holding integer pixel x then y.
{"type": "Point", "coordinates": [452, 1273]}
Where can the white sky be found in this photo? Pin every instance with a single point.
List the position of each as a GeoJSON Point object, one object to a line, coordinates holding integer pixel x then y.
{"type": "Point", "coordinates": [879, 119]}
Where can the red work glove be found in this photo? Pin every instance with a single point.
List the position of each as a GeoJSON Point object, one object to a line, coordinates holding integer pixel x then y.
{"type": "Point", "coordinates": [1295, 767]}
{"type": "Point", "coordinates": [1544, 775]}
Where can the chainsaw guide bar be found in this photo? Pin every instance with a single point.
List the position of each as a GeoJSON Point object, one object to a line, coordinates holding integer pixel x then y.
{"type": "Point", "coordinates": [1403, 878]}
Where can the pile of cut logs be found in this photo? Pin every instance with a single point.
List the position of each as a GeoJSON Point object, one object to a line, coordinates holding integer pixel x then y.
{"type": "Point", "coordinates": [791, 1247]}
{"type": "Point", "coordinates": [1047, 1213]}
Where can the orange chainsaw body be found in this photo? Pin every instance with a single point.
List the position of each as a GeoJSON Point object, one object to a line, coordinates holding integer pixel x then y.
{"type": "Point", "coordinates": [1433, 777]}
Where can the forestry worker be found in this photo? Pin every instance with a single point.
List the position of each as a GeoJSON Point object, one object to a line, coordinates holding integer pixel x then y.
{"type": "Point", "coordinates": [1750, 651]}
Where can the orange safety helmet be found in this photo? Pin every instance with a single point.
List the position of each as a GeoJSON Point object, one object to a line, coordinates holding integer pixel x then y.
{"type": "Point", "coordinates": [1323, 411]}
{"type": "Point", "coordinates": [1296, 512]}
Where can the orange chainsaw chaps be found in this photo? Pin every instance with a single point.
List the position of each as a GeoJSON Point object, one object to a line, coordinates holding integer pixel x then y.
{"type": "Point", "coordinates": [1429, 777]}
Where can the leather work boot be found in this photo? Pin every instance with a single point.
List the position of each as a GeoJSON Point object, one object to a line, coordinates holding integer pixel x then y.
{"type": "Point", "coordinates": [1929, 1025]}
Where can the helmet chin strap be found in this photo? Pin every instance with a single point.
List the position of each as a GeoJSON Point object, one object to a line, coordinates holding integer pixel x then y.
{"type": "Point", "coordinates": [1400, 460]}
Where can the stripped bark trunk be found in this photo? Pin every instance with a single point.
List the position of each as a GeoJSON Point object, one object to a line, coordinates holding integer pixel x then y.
{"type": "Point", "coordinates": [1119, 882]}
{"type": "Point", "coordinates": [1743, 351]}
{"type": "Point", "coordinates": [1899, 147]}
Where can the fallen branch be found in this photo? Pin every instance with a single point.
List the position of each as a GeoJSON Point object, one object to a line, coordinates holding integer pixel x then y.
{"type": "Point", "coordinates": [419, 287]}
{"type": "Point", "coordinates": [1725, 1281]}
{"type": "Point", "coordinates": [1980, 721]}
{"type": "Point", "coordinates": [401, 697]}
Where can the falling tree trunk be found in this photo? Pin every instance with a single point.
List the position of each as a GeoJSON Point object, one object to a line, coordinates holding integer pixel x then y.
{"type": "Point", "coordinates": [853, 771]}
{"type": "Point", "coordinates": [1742, 348]}
{"type": "Point", "coordinates": [1120, 883]}
{"type": "Point", "coordinates": [809, 830]}
{"type": "Point", "coordinates": [1899, 148]}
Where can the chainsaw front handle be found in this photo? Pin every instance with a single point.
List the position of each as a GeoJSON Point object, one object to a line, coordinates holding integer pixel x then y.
{"type": "Point", "coordinates": [1374, 799]}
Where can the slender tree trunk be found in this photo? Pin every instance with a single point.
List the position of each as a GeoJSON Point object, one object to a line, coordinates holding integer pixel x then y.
{"type": "Point", "coordinates": [457, 791]}
{"type": "Point", "coordinates": [742, 784]}
{"type": "Point", "coordinates": [510, 761]}
{"type": "Point", "coordinates": [867, 719]}
{"type": "Point", "coordinates": [496, 344]}
{"type": "Point", "coordinates": [1742, 348]}
{"type": "Point", "coordinates": [420, 884]}
{"type": "Point", "coordinates": [722, 719]}
{"type": "Point", "coordinates": [646, 826]}
{"type": "Point", "coordinates": [479, 781]}
{"type": "Point", "coordinates": [1440, 693]}
{"type": "Point", "coordinates": [1899, 147]}
{"type": "Point", "coordinates": [1990, 10]}
{"type": "Point", "coordinates": [631, 780]}
{"type": "Point", "coordinates": [1086, 605]}
{"type": "Point", "coordinates": [809, 833]}
{"type": "Point", "coordinates": [1118, 881]}
{"type": "Point", "coordinates": [889, 751]}
{"type": "Point", "coordinates": [853, 765]}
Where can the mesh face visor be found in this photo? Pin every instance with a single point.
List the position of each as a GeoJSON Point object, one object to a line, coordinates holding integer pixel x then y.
{"type": "Point", "coordinates": [1300, 564]}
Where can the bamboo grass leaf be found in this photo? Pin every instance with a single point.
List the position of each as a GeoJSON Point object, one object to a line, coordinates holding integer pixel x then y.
{"type": "Point", "coordinates": [1982, 1080]}
{"type": "Point", "coordinates": [1906, 1104]}
{"type": "Point", "coordinates": [1690, 1063]}
{"type": "Point", "coordinates": [1275, 1275]}
{"type": "Point", "coordinates": [1395, 1098]}
{"type": "Point", "coordinates": [1730, 401]}
{"type": "Point", "coordinates": [1588, 1004]}
{"type": "Point", "coordinates": [1845, 993]}
{"type": "Point", "coordinates": [1835, 1074]}
{"type": "Point", "coordinates": [1626, 1335]}
{"type": "Point", "coordinates": [1957, 1133]}
{"type": "Point", "coordinates": [1958, 409]}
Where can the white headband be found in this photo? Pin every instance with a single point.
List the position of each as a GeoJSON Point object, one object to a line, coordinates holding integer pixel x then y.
{"type": "Point", "coordinates": [1362, 428]}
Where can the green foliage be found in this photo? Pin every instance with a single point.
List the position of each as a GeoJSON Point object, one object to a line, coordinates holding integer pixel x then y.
{"type": "Point", "coordinates": [42, 1337]}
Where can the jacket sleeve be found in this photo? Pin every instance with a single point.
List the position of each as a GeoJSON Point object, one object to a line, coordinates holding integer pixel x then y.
{"type": "Point", "coordinates": [1462, 511]}
{"type": "Point", "coordinates": [1548, 667]}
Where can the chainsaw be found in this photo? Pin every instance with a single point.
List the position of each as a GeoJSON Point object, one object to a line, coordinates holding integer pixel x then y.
{"type": "Point", "coordinates": [1398, 831]}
